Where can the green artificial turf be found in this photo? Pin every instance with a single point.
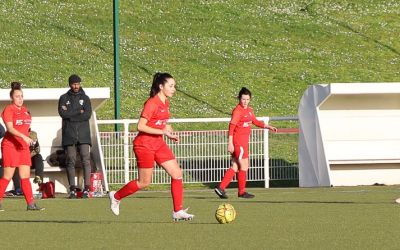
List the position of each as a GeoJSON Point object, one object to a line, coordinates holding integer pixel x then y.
{"type": "Point", "coordinates": [292, 218]}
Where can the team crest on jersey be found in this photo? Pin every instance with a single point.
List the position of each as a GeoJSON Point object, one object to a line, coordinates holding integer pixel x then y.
{"type": "Point", "coordinates": [68, 103]}
{"type": "Point", "coordinates": [81, 102]}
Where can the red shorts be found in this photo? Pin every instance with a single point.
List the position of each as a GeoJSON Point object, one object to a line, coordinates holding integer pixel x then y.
{"type": "Point", "coordinates": [241, 151]}
{"type": "Point", "coordinates": [15, 157]}
{"type": "Point", "coordinates": [145, 157]}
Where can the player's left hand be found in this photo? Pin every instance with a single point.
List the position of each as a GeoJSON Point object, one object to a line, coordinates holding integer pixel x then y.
{"type": "Point", "coordinates": [273, 129]}
{"type": "Point", "coordinates": [171, 136]}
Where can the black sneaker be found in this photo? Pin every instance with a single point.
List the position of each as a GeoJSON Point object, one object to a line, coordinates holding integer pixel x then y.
{"type": "Point", "coordinates": [72, 195]}
{"type": "Point", "coordinates": [220, 192]}
{"type": "Point", "coordinates": [85, 194]}
{"type": "Point", "coordinates": [34, 207]}
{"type": "Point", "coordinates": [246, 195]}
{"type": "Point", "coordinates": [18, 192]}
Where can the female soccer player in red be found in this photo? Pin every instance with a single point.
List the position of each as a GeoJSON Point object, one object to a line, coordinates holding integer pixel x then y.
{"type": "Point", "coordinates": [149, 147]}
{"type": "Point", "coordinates": [15, 145]}
{"type": "Point", "coordinates": [239, 132]}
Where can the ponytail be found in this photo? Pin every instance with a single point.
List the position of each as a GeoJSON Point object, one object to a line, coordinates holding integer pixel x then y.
{"type": "Point", "coordinates": [158, 79]}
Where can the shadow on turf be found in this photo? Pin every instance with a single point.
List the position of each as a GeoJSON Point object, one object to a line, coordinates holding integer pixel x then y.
{"type": "Point", "coordinates": [308, 202]}
{"type": "Point", "coordinates": [100, 222]}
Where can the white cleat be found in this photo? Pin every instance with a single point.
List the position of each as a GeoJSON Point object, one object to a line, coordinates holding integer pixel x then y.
{"type": "Point", "coordinates": [182, 215]}
{"type": "Point", "coordinates": [114, 203]}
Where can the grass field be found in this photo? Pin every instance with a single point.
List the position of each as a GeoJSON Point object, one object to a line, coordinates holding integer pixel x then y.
{"type": "Point", "coordinates": [318, 218]}
{"type": "Point", "coordinates": [214, 47]}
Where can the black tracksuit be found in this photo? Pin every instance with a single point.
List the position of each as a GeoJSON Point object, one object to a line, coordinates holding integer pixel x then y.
{"type": "Point", "coordinates": [75, 125]}
{"type": "Point", "coordinates": [76, 132]}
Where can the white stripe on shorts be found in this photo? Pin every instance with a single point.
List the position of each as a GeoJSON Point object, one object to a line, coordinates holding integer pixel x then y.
{"type": "Point", "coordinates": [241, 153]}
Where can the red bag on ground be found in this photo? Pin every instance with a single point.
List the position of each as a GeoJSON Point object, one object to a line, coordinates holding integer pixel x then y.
{"type": "Point", "coordinates": [47, 189]}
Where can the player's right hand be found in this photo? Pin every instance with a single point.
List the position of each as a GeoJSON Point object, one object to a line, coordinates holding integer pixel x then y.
{"type": "Point", "coordinates": [231, 148]}
{"type": "Point", "coordinates": [28, 140]}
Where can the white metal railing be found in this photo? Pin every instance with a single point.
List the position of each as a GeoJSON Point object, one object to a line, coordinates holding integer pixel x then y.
{"type": "Point", "coordinates": [202, 155]}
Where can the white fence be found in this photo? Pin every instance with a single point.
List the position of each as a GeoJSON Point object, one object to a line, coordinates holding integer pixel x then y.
{"type": "Point", "coordinates": [202, 155]}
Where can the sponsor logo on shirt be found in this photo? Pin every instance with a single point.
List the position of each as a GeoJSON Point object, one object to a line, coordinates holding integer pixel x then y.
{"type": "Point", "coordinates": [19, 122]}
{"type": "Point", "coordinates": [161, 122]}
{"type": "Point", "coordinates": [246, 124]}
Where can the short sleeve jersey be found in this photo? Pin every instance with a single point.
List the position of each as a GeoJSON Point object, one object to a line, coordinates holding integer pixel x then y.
{"type": "Point", "coordinates": [242, 119]}
{"type": "Point", "coordinates": [21, 120]}
{"type": "Point", "coordinates": [157, 115]}
{"type": "Point", "coordinates": [156, 112]}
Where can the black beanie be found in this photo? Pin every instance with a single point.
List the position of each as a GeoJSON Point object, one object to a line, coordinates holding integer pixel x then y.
{"type": "Point", "coordinates": [74, 79]}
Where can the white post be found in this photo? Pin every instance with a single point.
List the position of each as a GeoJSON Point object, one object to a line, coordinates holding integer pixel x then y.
{"type": "Point", "coordinates": [266, 155]}
{"type": "Point", "coordinates": [101, 155]}
{"type": "Point", "coordinates": [126, 151]}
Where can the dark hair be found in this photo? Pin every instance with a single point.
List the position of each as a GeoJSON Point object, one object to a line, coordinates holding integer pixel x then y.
{"type": "Point", "coordinates": [74, 79]}
{"type": "Point", "coordinates": [244, 91]}
{"type": "Point", "coordinates": [158, 78]}
{"type": "Point", "coordinates": [15, 86]}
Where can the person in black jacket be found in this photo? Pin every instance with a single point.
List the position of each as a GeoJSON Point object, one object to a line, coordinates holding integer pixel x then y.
{"type": "Point", "coordinates": [75, 110]}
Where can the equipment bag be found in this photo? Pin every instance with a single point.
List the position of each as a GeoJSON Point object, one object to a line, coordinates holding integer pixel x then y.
{"type": "Point", "coordinates": [47, 189]}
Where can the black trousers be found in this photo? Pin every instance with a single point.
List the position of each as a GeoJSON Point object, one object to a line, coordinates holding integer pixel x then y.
{"type": "Point", "coordinates": [84, 152]}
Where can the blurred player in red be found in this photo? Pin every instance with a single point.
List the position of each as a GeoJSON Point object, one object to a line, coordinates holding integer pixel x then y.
{"type": "Point", "coordinates": [15, 145]}
{"type": "Point", "coordinates": [149, 147]}
{"type": "Point", "coordinates": [239, 132]}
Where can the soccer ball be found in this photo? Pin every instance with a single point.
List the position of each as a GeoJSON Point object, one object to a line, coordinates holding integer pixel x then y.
{"type": "Point", "coordinates": [225, 213]}
{"type": "Point", "coordinates": [397, 200]}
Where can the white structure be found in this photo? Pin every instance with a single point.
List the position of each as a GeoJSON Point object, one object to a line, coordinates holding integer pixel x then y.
{"type": "Point", "coordinates": [349, 134]}
{"type": "Point", "coordinates": [43, 105]}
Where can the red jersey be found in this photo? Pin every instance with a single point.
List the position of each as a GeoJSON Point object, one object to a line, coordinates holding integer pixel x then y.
{"type": "Point", "coordinates": [21, 120]}
{"type": "Point", "coordinates": [157, 114]}
{"type": "Point", "coordinates": [240, 124]}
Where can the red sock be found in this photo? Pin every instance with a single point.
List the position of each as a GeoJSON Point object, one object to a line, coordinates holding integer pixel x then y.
{"type": "Point", "coordinates": [130, 188]}
{"type": "Point", "coordinates": [241, 176]}
{"type": "Point", "coordinates": [3, 186]}
{"type": "Point", "coordinates": [227, 178]}
{"type": "Point", "coordinates": [27, 190]}
{"type": "Point", "coordinates": [177, 194]}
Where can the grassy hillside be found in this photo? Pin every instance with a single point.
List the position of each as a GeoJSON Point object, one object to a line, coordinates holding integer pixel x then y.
{"type": "Point", "coordinates": [276, 48]}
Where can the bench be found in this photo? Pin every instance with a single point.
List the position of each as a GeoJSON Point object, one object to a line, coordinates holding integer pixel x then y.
{"type": "Point", "coordinates": [56, 174]}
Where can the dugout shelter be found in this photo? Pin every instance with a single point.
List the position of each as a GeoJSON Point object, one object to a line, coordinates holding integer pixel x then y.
{"type": "Point", "coordinates": [43, 105]}
{"type": "Point", "coordinates": [349, 134]}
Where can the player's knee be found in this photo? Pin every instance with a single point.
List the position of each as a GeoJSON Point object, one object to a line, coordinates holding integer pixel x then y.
{"type": "Point", "coordinates": [177, 174]}
{"type": "Point", "coordinates": [244, 168]}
